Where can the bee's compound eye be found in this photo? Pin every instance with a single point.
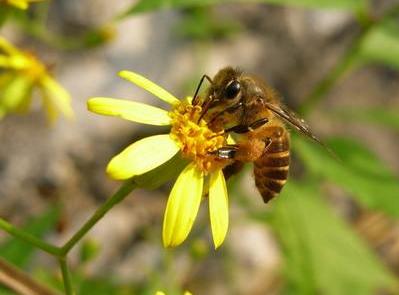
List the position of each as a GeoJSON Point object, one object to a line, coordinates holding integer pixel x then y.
{"type": "Point", "coordinates": [232, 89]}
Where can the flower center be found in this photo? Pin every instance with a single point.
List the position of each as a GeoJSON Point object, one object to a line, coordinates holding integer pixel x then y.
{"type": "Point", "coordinates": [195, 139]}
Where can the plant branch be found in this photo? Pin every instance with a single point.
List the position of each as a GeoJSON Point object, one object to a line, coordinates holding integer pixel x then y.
{"type": "Point", "coordinates": [66, 276]}
{"type": "Point", "coordinates": [27, 237]}
{"type": "Point", "coordinates": [123, 191]}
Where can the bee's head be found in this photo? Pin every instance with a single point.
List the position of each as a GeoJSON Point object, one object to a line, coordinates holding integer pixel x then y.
{"type": "Point", "coordinates": [232, 95]}
{"type": "Point", "coordinates": [224, 93]}
{"type": "Point", "coordinates": [226, 88]}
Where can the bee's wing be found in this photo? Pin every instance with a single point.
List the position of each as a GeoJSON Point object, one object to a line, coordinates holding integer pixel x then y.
{"type": "Point", "coordinates": [293, 119]}
{"type": "Point", "coordinates": [299, 124]}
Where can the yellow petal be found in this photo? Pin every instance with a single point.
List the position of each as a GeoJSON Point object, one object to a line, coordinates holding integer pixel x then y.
{"type": "Point", "coordinates": [52, 113]}
{"type": "Point", "coordinates": [182, 207]}
{"type": "Point", "coordinates": [55, 98]}
{"type": "Point", "coordinates": [7, 47]}
{"type": "Point", "coordinates": [15, 90]}
{"type": "Point", "coordinates": [218, 207]}
{"type": "Point", "coordinates": [142, 156]}
{"type": "Point", "coordinates": [129, 110]}
{"type": "Point", "coordinates": [150, 86]}
{"type": "Point", "coordinates": [4, 61]}
{"type": "Point", "coordinates": [16, 62]}
{"type": "Point", "coordinates": [21, 4]}
{"type": "Point", "coordinates": [188, 99]}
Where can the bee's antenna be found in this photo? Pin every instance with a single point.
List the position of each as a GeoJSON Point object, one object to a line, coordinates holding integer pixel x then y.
{"type": "Point", "coordinates": [196, 97]}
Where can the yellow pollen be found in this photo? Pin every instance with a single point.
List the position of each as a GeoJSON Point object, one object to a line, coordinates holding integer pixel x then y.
{"type": "Point", "coordinates": [196, 140]}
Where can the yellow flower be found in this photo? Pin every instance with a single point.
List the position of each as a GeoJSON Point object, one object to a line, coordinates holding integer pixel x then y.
{"type": "Point", "coordinates": [193, 139]}
{"type": "Point", "coordinates": [21, 74]}
{"type": "Point", "coordinates": [21, 4]}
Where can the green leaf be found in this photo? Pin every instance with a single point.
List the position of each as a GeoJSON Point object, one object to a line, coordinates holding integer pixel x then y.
{"type": "Point", "coordinates": [19, 252]}
{"type": "Point", "coordinates": [89, 250]}
{"type": "Point", "coordinates": [322, 254]}
{"type": "Point", "coordinates": [85, 284]}
{"type": "Point", "coordinates": [384, 116]}
{"type": "Point", "coordinates": [4, 11]}
{"type": "Point", "coordinates": [355, 5]}
{"type": "Point", "coordinates": [358, 171]}
{"type": "Point", "coordinates": [98, 36]}
{"type": "Point", "coordinates": [381, 45]}
{"type": "Point", "coordinates": [200, 23]}
{"type": "Point", "coordinates": [102, 286]}
{"type": "Point", "coordinates": [4, 291]}
{"type": "Point", "coordinates": [152, 5]}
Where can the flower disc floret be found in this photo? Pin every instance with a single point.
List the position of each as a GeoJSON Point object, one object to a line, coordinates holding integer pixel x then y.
{"type": "Point", "coordinates": [195, 139]}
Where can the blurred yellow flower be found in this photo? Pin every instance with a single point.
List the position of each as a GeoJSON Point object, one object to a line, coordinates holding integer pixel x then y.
{"type": "Point", "coordinates": [21, 73]}
{"type": "Point", "coordinates": [21, 4]}
{"type": "Point", "coordinates": [193, 139]}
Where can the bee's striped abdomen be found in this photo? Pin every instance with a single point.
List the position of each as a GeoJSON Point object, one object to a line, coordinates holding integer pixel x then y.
{"type": "Point", "coordinates": [271, 169]}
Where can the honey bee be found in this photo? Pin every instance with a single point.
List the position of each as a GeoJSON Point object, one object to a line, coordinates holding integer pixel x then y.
{"type": "Point", "coordinates": [245, 105]}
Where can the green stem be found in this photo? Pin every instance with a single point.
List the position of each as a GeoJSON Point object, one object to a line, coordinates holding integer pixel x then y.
{"type": "Point", "coordinates": [66, 276]}
{"type": "Point", "coordinates": [27, 237]}
{"type": "Point", "coordinates": [123, 191]}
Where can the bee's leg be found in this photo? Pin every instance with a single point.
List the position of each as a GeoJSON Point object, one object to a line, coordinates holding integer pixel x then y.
{"type": "Point", "coordinates": [195, 97]}
{"type": "Point", "coordinates": [248, 151]}
{"type": "Point", "coordinates": [226, 152]}
{"type": "Point", "coordinates": [268, 141]}
{"type": "Point", "coordinates": [247, 128]}
{"type": "Point", "coordinates": [207, 104]}
{"type": "Point", "coordinates": [232, 169]}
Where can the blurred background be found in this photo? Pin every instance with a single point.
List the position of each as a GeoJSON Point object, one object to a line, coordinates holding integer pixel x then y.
{"type": "Point", "coordinates": [333, 230]}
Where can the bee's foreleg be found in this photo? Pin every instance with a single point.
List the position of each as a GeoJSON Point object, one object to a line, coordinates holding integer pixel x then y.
{"type": "Point", "coordinates": [230, 109]}
{"type": "Point", "coordinates": [247, 128]}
